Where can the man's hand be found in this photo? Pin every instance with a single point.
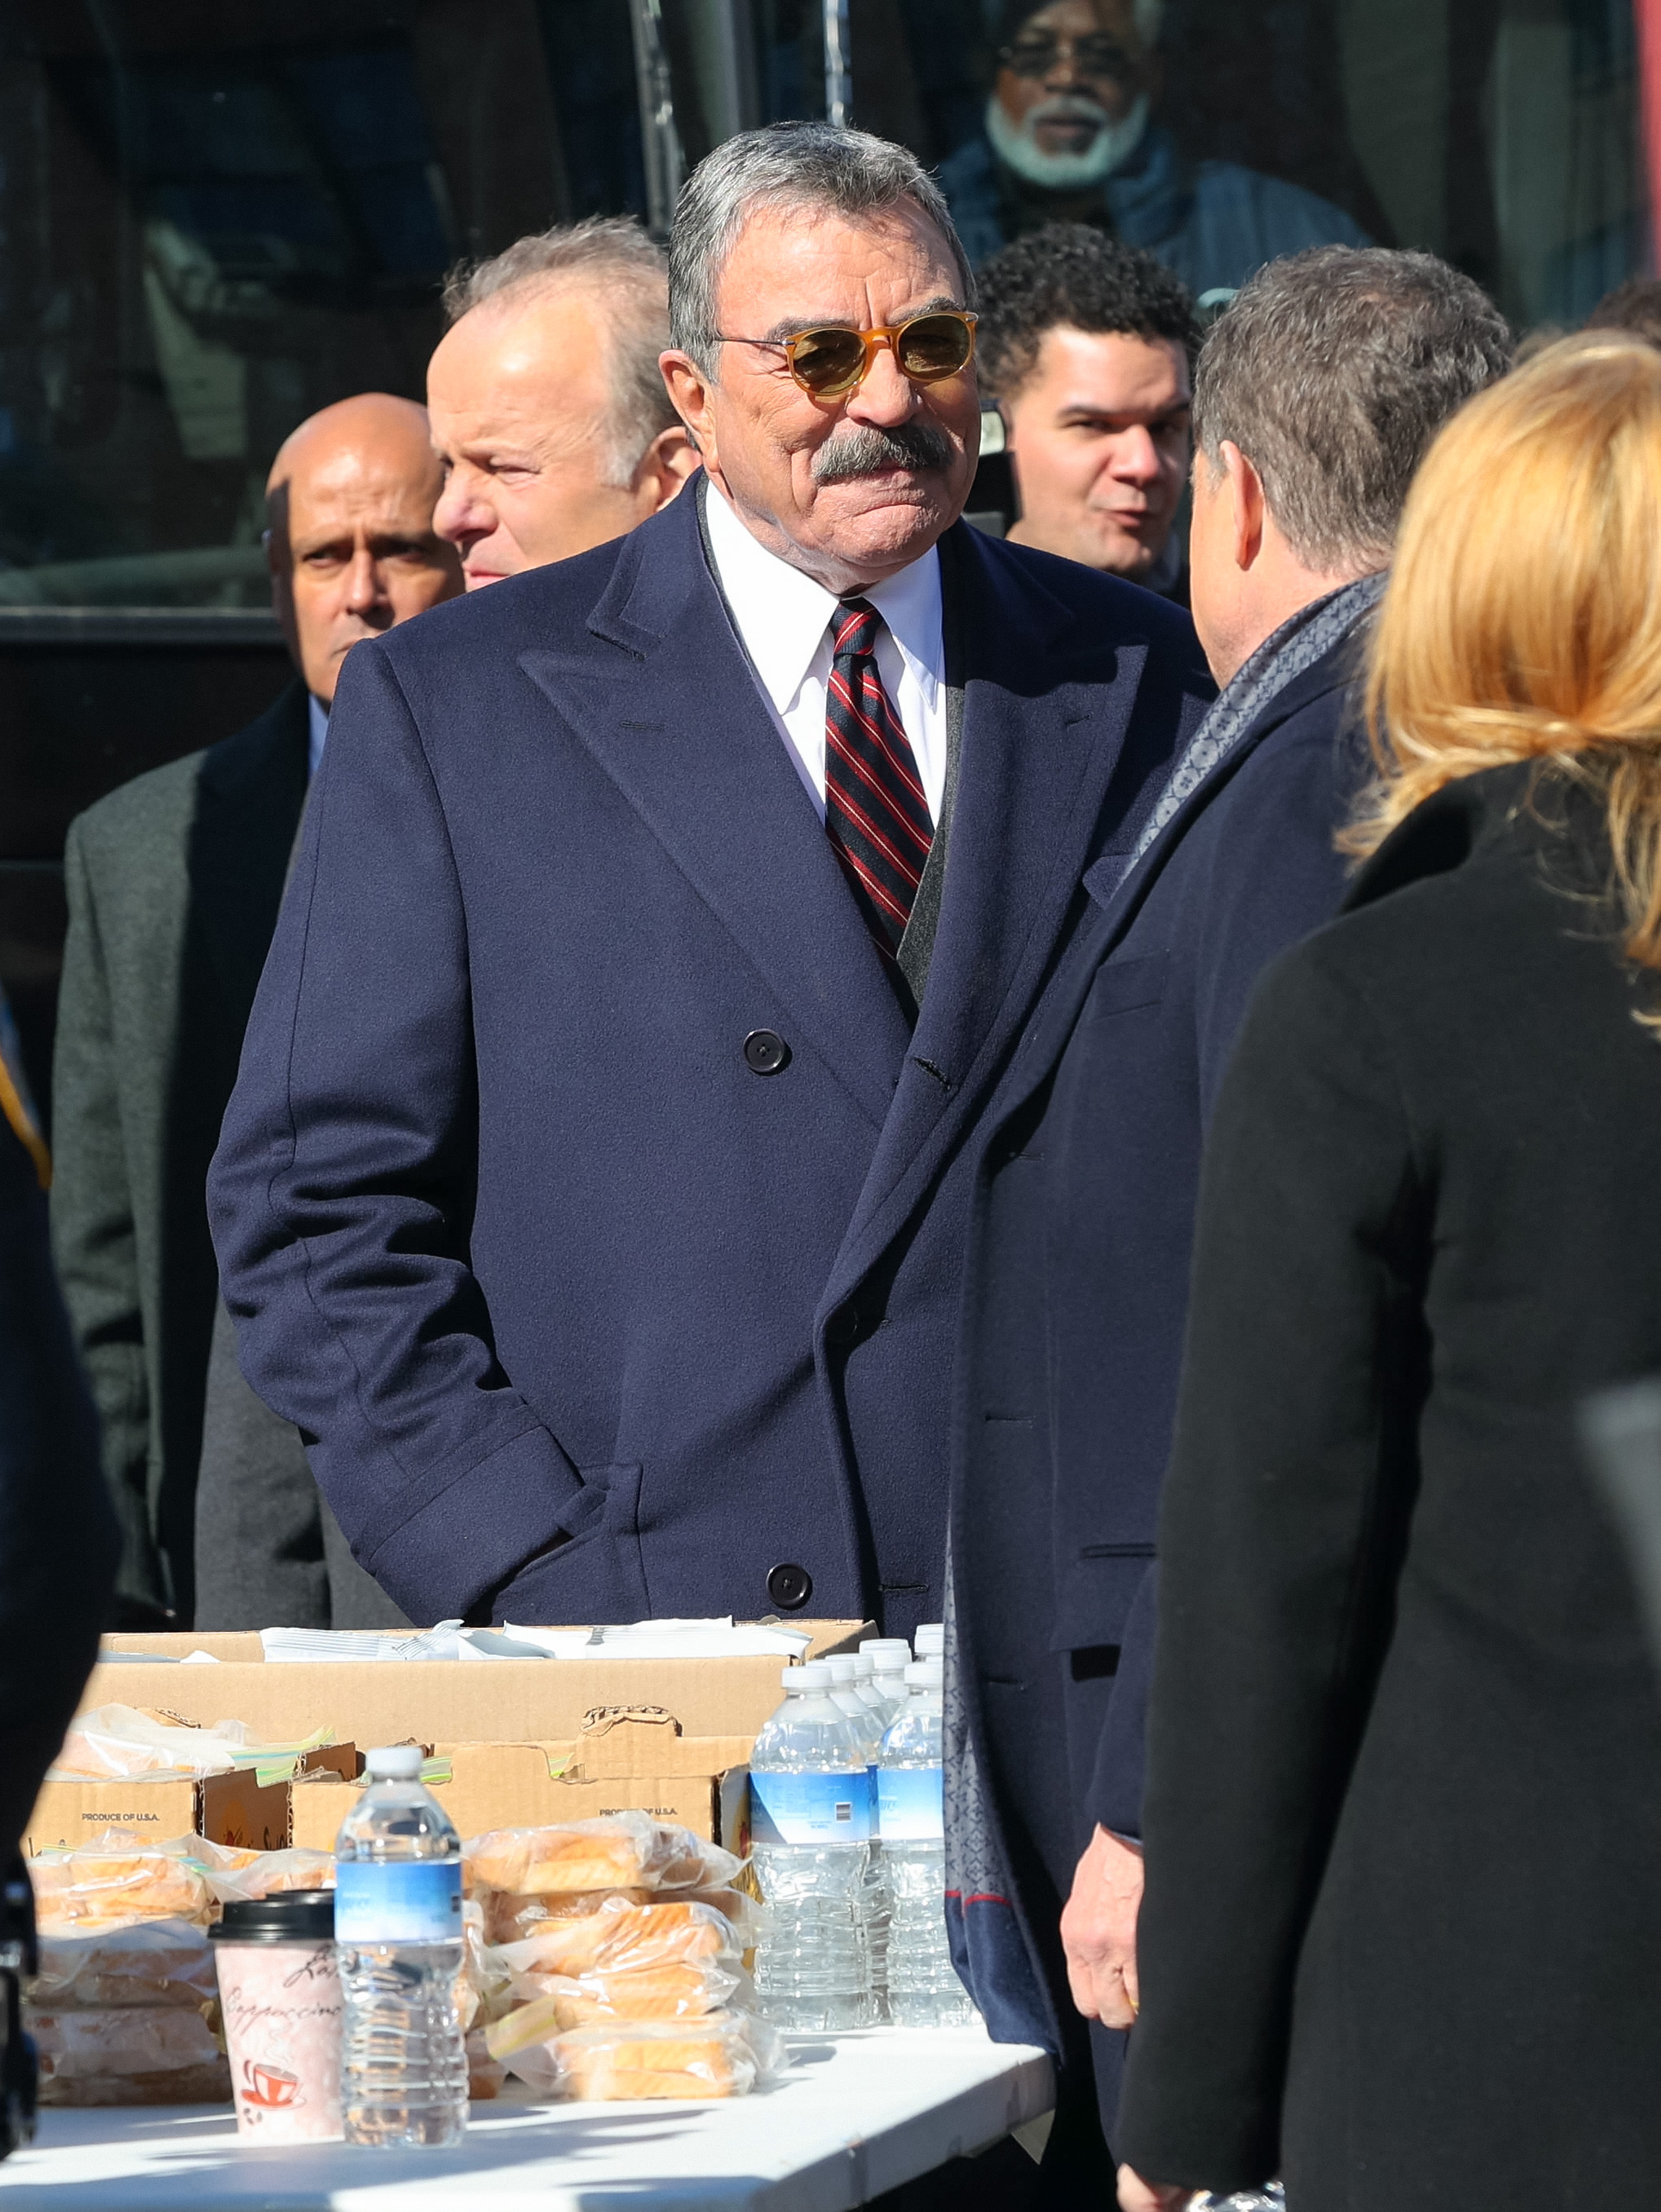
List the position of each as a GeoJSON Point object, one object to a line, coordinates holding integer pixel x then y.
{"type": "Point", "coordinates": [1099, 1932]}
{"type": "Point", "coordinates": [1136, 2195]}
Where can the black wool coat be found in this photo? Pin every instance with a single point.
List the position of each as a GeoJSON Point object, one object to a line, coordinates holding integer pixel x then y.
{"type": "Point", "coordinates": [1075, 1294]}
{"type": "Point", "coordinates": [1401, 1934]}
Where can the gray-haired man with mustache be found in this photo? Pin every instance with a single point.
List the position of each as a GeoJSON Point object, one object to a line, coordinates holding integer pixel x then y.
{"type": "Point", "coordinates": [607, 1113]}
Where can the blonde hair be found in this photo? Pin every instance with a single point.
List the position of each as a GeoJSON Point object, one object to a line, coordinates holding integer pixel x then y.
{"type": "Point", "coordinates": [1523, 617]}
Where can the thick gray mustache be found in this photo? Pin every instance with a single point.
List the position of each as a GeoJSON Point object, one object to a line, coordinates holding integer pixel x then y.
{"type": "Point", "coordinates": [863, 450]}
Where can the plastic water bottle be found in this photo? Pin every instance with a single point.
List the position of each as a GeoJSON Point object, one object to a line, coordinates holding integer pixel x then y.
{"type": "Point", "coordinates": [810, 1825]}
{"type": "Point", "coordinates": [931, 1640]}
{"type": "Point", "coordinates": [845, 1693]}
{"type": "Point", "coordinates": [398, 1930]}
{"type": "Point", "coordinates": [876, 1701]}
{"type": "Point", "coordinates": [890, 1655]}
{"type": "Point", "coordinates": [870, 1719]}
{"type": "Point", "coordinates": [923, 1989]}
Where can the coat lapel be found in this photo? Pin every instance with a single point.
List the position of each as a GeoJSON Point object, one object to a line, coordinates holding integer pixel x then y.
{"type": "Point", "coordinates": [1037, 760]}
{"type": "Point", "coordinates": [249, 798]}
{"type": "Point", "coordinates": [664, 701]}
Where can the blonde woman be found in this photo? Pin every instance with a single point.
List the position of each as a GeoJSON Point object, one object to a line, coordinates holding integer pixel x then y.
{"type": "Point", "coordinates": [1401, 1942]}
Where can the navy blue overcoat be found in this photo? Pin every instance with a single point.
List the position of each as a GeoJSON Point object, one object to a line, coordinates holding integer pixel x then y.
{"type": "Point", "coordinates": [1076, 1295]}
{"type": "Point", "coordinates": [509, 1224]}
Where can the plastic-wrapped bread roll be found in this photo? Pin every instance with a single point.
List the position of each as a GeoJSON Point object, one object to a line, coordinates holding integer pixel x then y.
{"type": "Point", "coordinates": [86, 1892]}
{"type": "Point", "coordinates": [136, 2054]}
{"type": "Point", "coordinates": [509, 1918]}
{"type": "Point", "coordinates": [158, 1962]}
{"type": "Point", "coordinates": [623, 1937]}
{"type": "Point", "coordinates": [676, 2061]}
{"type": "Point", "coordinates": [682, 1990]}
{"type": "Point", "coordinates": [724, 2055]}
{"type": "Point", "coordinates": [624, 1851]}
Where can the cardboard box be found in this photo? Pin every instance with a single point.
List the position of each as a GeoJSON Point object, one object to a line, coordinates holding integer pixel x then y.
{"type": "Point", "coordinates": [659, 1736]}
{"type": "Point", "coordinates": [636, 1761]}
{"type": "Point", "coordinates": [445, 1701]}
{"type": "Point", "coordinates": [229, 1808]}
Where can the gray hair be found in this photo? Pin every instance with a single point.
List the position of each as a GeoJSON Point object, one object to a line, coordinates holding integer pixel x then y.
{"type": "Point", "coordinates": [612, 257]}
{"type": "Point", "coordinates": [1332, 371]}
{"type": "Point", "coordinates": [785, 164]}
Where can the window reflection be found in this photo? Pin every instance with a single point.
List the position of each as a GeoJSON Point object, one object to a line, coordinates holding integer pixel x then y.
{"type": "Point", "coordinates": [217, 219]}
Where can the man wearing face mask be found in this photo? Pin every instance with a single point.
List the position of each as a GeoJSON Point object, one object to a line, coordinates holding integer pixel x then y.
{"type": "Point", "coordinates": [592, 1187]}
{"type": "Point", "coordinates": [173, 883]}
{"type": "Point", "coordinates": [1070, 137]}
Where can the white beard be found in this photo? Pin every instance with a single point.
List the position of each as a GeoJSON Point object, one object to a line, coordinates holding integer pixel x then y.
{"type": "Point", "coordinates": [1110, 149]}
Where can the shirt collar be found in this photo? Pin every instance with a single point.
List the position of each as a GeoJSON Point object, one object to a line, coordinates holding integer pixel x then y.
{"type": "Point", "coordinates": [317, 732]}
{"type": "Point", "coordinates": [782, 615]}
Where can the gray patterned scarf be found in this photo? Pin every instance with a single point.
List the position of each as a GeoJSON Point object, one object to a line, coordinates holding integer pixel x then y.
{"type": "Point", "coordinates": [1301, 640]}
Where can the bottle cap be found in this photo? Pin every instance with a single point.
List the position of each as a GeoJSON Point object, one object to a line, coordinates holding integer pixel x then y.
{"type": "Point", "coordinates": [926, 1675]}
{"type": "Point", "coordinates": [841, 1668]}
{"type": "Point", "coordinates": [931, 1639]}
{"type": "Point", "coordinates": [811, 1674]}
{"type": "Point", "coordinates": [292, 1916]}
{"type": "Point", "coordinates": [892, 1646]}
{"type": "Point", "coordinates": [864, 1667]}
{"type": "Point", "coordinates": [394, 1762]}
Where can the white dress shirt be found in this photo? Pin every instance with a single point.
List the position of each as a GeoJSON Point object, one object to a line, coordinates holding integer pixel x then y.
{"type": "Point", "coordinates": [317, 731]}
{"type": "Point", "coordinates": [784, 619]}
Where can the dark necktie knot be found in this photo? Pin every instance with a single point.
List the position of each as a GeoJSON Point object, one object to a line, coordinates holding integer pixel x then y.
{"type": "Point", "coordinates": [853, 632]}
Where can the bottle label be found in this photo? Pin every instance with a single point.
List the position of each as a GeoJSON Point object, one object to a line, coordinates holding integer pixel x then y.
{"type": "Point", "coordinates": [405, 1901]}
{"type": "Point", "coordinates": [811, 1808]}
{"type": "Point", "coordinates": [910, 1807]}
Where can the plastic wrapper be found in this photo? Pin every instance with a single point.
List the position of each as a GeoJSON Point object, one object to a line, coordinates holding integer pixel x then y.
{"type": "Point", "coordinates": [131, 2043]}
{"type": "Point", "coordinates": [683, 1990]}
{"type": "Point", "coordinates": [509, 1917]}
{"type": "Point", "coordinates": [120, 1879]}
{"type": "Point", "coordinates": [485, 2075]}
{"type": "Point", "coordinates": [156, 1962]}
{"type": "Point", "coordinates": [208, 2084]}
{"type": "Point", "coordinates": [723, 2055]}
{"type": "Point", "coordinates": [622, 1937]}
{"type": "Point", "coordinates": [124, 1743]}
{"type": "Point", "coordinates": [624, 1851]}
{"type": "Point", "coordinates": [87, 1892]}
{"type": "Point", "coordinates": [234, 1874]}
{"type": "Point", "coordinates": [485, 1984]}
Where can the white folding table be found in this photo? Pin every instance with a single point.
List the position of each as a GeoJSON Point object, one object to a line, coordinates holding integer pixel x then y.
{"type": "Point", "coordinates": [857, 2115]}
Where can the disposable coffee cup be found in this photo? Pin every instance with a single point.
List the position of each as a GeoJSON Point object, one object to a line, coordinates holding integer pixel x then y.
{"type": "Point", "coordinates": [279, 1990]}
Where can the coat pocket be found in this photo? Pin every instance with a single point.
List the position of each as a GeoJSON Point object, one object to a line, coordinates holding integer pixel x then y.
{"type": "Point", "coordinates": [595, 1578]}
{"type": "Point", "coordinates": [1096, 1589]}
{"type": "Point", "coordinates": [1123, 985]}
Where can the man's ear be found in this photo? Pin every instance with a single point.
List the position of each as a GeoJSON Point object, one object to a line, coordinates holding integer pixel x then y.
{"type": "Point", "coordinates": [1246, 497]}
{"type": "Point", "coordinates": [664, 467]}
{"type": "Point", "coordinates": [691, 393]}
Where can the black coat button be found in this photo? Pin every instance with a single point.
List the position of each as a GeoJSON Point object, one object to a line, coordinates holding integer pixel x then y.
{"type": "Point", "coordinates": [765, 1051]}
{"type": "Point", "coordinates": [842, 1326]}
{"type": "Point", "coordinates": [789, 1588]}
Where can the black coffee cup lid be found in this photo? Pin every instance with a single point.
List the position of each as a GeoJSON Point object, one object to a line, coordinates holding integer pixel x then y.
{"type": "Point", "coordinates": [291, 1916]}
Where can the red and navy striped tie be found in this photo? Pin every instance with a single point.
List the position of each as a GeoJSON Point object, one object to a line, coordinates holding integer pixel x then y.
{"type": "Point", "coordinates": [875, 813]}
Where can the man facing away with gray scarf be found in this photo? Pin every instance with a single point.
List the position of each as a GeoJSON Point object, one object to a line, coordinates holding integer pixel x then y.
{"type": "Point", "coordinates": [1316, 395]}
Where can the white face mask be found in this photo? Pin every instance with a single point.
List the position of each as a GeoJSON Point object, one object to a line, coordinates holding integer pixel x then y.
{"type": "Point", "coordinates": [1110, 149]}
